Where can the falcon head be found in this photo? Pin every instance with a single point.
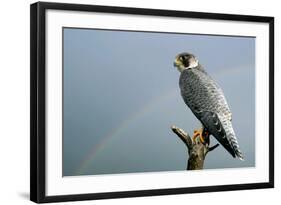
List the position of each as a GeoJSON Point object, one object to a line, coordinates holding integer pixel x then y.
{"type": "Point", "coordinates": [185, 61]}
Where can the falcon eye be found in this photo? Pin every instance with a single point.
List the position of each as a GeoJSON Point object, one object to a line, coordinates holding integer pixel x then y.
{"type": "Point", "coordinates": [182, 58]}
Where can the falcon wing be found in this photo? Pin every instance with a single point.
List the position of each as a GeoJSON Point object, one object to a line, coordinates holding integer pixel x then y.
{"type": "Point", "coordinates": [206, 100]}
{"type": "Point", "coordinates": [211, 121]}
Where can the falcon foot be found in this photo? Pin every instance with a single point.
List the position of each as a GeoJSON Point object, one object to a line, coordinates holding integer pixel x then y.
{"type": "Point", "coordinates": [201, 134]}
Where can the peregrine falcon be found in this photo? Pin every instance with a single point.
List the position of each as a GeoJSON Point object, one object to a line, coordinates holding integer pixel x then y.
{"type": "Point", "coordinates": [207, 102]}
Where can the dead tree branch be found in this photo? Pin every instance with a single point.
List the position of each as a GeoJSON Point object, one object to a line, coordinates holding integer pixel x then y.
{"type": "Point", "coordinates": [197, 151]}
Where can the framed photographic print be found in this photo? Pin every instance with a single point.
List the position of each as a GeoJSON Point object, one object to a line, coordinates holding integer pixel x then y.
{"type": "Point", "coordinates": [129, 102]}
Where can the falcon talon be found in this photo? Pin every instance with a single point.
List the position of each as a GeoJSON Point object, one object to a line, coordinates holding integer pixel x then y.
{"type": "Point", "coordinates": [202, 139]}
{"type": "Point", "coordinates": [198, 133]}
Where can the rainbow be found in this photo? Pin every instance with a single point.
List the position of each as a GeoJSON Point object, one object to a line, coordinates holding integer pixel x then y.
{"type": "Point", "coordinates": [122, 126]}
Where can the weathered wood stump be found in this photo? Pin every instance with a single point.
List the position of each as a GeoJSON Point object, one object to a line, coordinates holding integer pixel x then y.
{"type": "Point", "coordinates": [197, 151]}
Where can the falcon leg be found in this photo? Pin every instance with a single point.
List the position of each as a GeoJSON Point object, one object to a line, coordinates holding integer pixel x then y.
{"type": "Point", "coordinates": [203, 135]}
{"type": "Point", "coordinates": [196, 134]}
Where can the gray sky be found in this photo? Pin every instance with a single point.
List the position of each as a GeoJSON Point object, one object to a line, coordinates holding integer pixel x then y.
{"type": "Point", "coordinates": [121, 96]}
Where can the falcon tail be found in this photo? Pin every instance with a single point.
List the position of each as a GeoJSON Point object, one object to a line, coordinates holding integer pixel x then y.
{"type": "Point", "coordinates": [230, 136]}
{"type": "Point", "coordinates": [235, 147]}
{"type": "Point", "coordinates": [231, 145]}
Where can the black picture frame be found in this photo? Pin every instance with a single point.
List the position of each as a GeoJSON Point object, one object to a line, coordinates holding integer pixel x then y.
{"type": "Point", "coordinates": [38, 101]}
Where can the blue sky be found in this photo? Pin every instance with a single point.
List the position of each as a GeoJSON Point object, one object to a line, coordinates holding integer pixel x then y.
{"type": "Point", "coordinates": [121, 96]}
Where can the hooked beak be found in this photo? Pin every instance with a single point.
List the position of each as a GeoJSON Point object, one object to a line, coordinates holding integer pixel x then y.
{"type": "Point", "coordinates": [175, 64]}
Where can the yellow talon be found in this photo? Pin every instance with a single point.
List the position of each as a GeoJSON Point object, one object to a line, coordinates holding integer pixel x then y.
{"type": "Point", "coordinates": [198, 133]}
